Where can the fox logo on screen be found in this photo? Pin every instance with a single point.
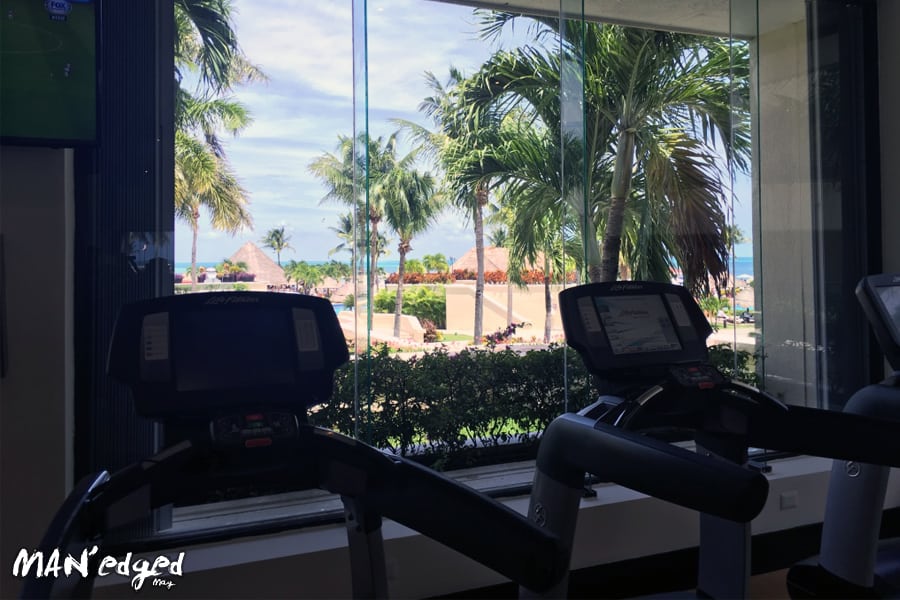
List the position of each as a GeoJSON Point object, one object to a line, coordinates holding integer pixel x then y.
{"type": "Point", "coordinates": [58, 9]}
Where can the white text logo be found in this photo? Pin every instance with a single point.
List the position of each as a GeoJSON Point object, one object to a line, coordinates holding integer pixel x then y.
{"type": "Point", "coordinates": [140, 569]}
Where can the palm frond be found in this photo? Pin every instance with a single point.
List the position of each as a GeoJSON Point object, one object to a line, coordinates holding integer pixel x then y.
{"type": "Point", "coordinates": [217, 47]}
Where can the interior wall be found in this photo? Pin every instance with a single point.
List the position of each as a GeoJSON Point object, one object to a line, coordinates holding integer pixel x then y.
{"type": "Point", "coordinates": [36, 221]}
{"type": "Point", "coordinates": [889, 84]}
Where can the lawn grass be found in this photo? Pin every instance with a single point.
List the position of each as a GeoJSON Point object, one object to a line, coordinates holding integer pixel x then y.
{"type": "Point", "coordinates": [455, 337]}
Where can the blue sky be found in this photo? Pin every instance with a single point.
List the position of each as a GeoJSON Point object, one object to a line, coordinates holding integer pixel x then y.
{"type": "Point", "coordinates": [307, 104]}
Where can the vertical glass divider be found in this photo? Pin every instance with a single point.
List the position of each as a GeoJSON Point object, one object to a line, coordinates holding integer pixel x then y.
{"type": "Point", "coordinates": [360, 194]}
{"type": "Point", "coordinates": [572, 131]}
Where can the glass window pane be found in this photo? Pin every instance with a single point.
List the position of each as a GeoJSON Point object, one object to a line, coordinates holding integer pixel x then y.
{"type": "Point", "coordinates": [783, 223]}
{"type": "Point", "coordinates": [476, 166]}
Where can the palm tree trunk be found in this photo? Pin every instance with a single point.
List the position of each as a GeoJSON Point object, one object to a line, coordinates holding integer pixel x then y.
{"type": "Point", "coordinates": [509, 300]}
{"type": "Point", "coordinates": [592, 251]}
{"type": "Point", "coordinates": [194, 235]}
{"type": "Point", "coordinates": [402, 249]}
{"type": "Point", "coordinates": [589, 236]}
{"type": "Point", "coordinates": [480, 201]}
{"type": "Point", "coordinates": [548, 299]}
{"type": "Point", "coordinates": [359, 268]}
{"type": "Point", "coordinates": [373, 254]}
{"type": "Point", "coordinates": [621, 184]}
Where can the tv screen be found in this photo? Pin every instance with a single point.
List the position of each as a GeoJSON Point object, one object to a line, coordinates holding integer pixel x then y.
{"type": "Point", "coordinates": [48, 72]}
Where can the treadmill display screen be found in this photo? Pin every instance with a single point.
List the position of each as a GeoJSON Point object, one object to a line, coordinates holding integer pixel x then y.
{"type": "Point", "coordinates": [890, 301]}
{"type": "Point", "coordinates": [620, 327]}
{"type": "Point", "coordinates": [637, 324]}
{"type": "Point", "coordinates": [219, 348]}
{"type": "Point", "coordinates": [192, 356]}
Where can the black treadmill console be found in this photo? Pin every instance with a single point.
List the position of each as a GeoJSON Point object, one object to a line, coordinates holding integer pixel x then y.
{"type": "Point", "coordinates": [631, 327]}
{"type": "Point", "coordinates": [879, 296]}
{"type": "Point", "coordinates": [194, 355]}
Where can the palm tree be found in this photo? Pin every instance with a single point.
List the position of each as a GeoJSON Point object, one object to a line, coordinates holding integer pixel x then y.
{"type": "Point", "coordinates": [227, 270]}
{"type": "Point", "coordinates": [383, 169]}
{"type": "Point", "coordinates": [205, 181]}
{"type": "Point", "coordinates": [205, 42]}
{"type": "Point", "coordinates": [410, 209]}
{"type": "Point", "coordinates": [462, 145]}
{"type": "Point", "coordinates": [530, 210]}
{"type": "Point", "coordinates": [349, 224]}
{"type": "Point", "coordinates": [539, 240]}
{"type": "Point", "coordinates": [276, 240]}
{"type": "Point", "coordinates": [499, 238]}
{"type": "Point", "coordinates": [655, 106]}
{"type": "Point", "coordinates": [306, 275]}
{"type": "Point", "coordinates": [337, 270]}
{"type": "Point", "coordinates": [436, 263]}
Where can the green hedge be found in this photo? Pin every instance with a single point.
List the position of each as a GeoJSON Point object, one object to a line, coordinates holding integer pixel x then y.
{"type": "Point", "coordinates": [455, 410]}
{"type": "Point", "coordinates": [740, 365]}
{"type": "Point", "coordinates": [436, 406]}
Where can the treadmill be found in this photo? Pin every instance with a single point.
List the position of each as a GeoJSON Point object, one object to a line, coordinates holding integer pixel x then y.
{"type": "Point", "coordinates": [852, 561]}
{"type": "Point", "coordinates": [645, 344]}
{"type": "Point", "coordinates": [233, 374]}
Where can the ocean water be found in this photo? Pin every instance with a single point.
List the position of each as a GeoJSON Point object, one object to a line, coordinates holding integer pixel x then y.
{"type": "Point", "coordinates": [389, 266]}
{"type": "Point", "coordinates": [743, 265]}
{"type": "Point", "coordinates": [181, 267]}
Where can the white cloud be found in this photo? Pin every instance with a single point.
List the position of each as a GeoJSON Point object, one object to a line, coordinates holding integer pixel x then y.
{"type": "Point", "coordinates": [310, 44]}
{"type": "Point", "coordinates": [307, 51]}
{"type": "Point", "coordinates": [407, 38]}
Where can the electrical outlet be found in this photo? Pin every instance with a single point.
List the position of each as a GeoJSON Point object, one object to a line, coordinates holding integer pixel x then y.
{"type": "Point", "coordinates": [789, 500]}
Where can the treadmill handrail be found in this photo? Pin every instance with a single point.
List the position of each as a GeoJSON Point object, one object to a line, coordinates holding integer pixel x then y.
{"type": "Point", "coordinates": [433, 504]}
{"type": "Point", "coordinates": [67, 523]}
{"type": "Point", "coordinates": [765, 422]}
{"type": "Point", "coordinates": [773, 425]}
{"type": "Point", "coordinates": [826, 433]}
{"type": "Point", "coordinates": [573, 445]}
{"type": "Point", "coordinates": [424, 500]}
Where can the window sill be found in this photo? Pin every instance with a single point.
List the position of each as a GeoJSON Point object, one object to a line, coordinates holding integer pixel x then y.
{"type": "Point", "coordinates": [494, 480]}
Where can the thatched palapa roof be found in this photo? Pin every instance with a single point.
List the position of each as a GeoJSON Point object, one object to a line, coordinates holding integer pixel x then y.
{"type": "Point", "coordinates": [495, 259]}
{"type": "Point", "coordinates": [266, 270]}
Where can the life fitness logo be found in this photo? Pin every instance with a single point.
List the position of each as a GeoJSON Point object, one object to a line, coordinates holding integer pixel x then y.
{"type": "Point", "coordinates": [58, 9]}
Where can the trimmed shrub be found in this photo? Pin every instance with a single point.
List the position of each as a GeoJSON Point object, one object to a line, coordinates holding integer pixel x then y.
{"type": "Point", "coordinates": [739, 365]}
{"type": "Point", "coordinates": [422, 302]}
{"type": "Point", "coordinates": [448, 409]}
{"type": "Point", "coordinates": [456, 410]}
{"type": "Point", "coordinates": [417, 278]}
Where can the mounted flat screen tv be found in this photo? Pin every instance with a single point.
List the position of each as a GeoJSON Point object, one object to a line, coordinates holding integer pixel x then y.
{"type": "Point", "coordinates": [48, 72]}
